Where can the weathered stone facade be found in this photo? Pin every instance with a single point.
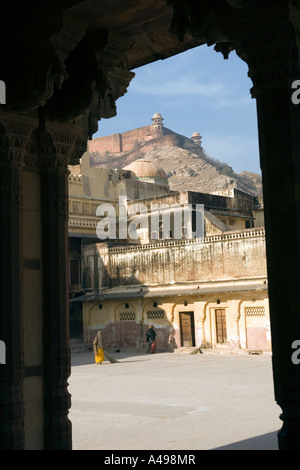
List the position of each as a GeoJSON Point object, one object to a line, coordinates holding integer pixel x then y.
{"type": "Point", "coordinates": [172, 263]}
{"type": "Point", "coordinates": [134, 286]}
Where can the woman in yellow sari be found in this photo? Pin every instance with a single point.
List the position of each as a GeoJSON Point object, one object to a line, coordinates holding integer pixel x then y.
{"type": "Point", "coordinates": [98, 348]}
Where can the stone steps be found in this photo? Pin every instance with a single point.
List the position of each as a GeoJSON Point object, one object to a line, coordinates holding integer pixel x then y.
{"type": "Point", "coordinates": [77, 346]}
{"type": "Point", "coordinates": [186, 350]}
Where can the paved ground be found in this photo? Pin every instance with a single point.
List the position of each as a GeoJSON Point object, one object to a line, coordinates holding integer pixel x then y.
{"type": "Point", "coordinates": [175, 401]}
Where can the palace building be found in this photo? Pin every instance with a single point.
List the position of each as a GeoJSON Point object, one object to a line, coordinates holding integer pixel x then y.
{"type": "Point", "coordinates": [208, 291]}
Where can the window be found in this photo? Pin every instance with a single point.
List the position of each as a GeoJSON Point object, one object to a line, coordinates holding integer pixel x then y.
{"type": "Point", "coordinates": [94, 208]}
{"type": "Point", "coordinates": [255, 311]}
{"type": "Point", "coordinates": [74, 271]}
{"type": "Point", "coordinates": [85, 208]}
{"type": "Point", "coordinates": [76, 207]}
{"type": "Point", "coordinates": [155, 315]}
{"type": "Point", "coordinates": [127, 316]}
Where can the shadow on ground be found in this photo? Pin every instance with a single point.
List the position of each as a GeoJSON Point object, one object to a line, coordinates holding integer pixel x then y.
{"type": "Point", "coordinates": [87, 357]}
{"type": "Point", "coordinates": [263, 442]}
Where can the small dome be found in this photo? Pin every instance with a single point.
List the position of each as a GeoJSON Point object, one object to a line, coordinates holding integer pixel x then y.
{"type": "Point", "coordinates": [196, 138]}
{"type": "Point", "coordinates": [145, 169]}
{"type": "Point", "coordinates": [157, 116]}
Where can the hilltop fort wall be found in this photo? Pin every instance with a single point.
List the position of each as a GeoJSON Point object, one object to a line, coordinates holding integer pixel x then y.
{"type": "Point", "coordinates": [131, 141]}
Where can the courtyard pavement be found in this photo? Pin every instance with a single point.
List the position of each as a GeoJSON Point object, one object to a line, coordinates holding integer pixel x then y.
{"type": "Point", "coordinates": [173, 401]}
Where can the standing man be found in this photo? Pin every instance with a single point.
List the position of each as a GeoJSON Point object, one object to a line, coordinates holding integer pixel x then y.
{"type": "Point", "coordinates": [150, 338]}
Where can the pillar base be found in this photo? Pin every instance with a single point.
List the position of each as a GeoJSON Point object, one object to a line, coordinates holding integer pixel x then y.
{"type": "Point", "coordinates": [289, 434]}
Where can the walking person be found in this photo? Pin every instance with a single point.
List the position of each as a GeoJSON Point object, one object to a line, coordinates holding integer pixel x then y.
{"type": "Point", "coordinates": [98, 348]}
{"type": "Point", "coordinates": [151, 339]}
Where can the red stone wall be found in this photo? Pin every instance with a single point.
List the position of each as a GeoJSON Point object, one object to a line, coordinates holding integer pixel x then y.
{"type": "Point", "coordinates": [130, 138]}
{"type": "Point", "coordinates": [110, 143]}
{"type": "Point", "coordinates": [127, 335]}
{"type": "Point", "coordinates": [117, 143]}
{"type": "Point", "coordinates": [129, 141]}
{"type": "Point", "coordinates": [257, 338]}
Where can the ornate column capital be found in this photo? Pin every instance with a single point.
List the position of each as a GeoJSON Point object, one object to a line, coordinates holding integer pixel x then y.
{"type": "Point", "coordinates": [15, 136]}
{"type": "Point", "coordinates": [271, 53]}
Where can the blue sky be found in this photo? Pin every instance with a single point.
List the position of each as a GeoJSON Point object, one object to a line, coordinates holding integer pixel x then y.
{"type": "Point", "coordinates": [195, 91]}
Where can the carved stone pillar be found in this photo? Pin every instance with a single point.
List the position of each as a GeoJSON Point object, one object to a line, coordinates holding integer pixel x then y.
{"type": "Point", "coordinates": [56, 365]}
{"type": "Point", "coordinates": [34, 400]}
{"type": "Point", "coordinates": [202, 328]}
{"type": "Point", "coordinates": [236, 343]}
{"type": "Point", "coordinates": [11, 323]}
{"type": "Point", "coordinates": [273, 58]}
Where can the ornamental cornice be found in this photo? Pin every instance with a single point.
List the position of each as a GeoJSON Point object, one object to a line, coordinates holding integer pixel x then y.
{"type": "Point", "coordinates": [226, 236]}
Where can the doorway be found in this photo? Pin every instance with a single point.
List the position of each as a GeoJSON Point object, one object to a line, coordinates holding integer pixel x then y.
{"type": "Point", "coordinates": [187, 329]}
{"type": "Point", "coordinates": [221, 329]}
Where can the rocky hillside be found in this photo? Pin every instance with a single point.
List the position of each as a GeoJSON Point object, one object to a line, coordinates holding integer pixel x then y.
{"type": "Point", "coordinates": [187, 168]}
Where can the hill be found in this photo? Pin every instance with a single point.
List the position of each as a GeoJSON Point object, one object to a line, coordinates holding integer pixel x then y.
{"type": "Point", "coordinates": [186, 165]}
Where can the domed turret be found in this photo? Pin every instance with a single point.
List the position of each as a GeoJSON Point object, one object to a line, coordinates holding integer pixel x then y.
{"type": "Point", "coordinates": [157, 124]}
{"type": "Point", "coordinates": [196, 138]}
{"type": "Point", "coordinates": [145, 170]}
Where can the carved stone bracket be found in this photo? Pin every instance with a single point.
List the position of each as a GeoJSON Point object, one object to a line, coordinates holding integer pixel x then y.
{"type": "Point", "coordinates": [98, 76]}
{"type": "Point", "coordinates": [32, 74]}
{"type": "Point", "coordinates": [114, 67]}
{"type": "Point", "coordinates": [271, 54]}
{"type": "Point", "coordinates": [64, 42]}
{"type": "Point", "coordinates": [208, 19]}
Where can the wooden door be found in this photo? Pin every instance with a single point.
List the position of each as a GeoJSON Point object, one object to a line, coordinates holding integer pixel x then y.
{"type": "Point", "coordinates": [221, 325]}
{"type": "Point", "coordinates": [187, 329]}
